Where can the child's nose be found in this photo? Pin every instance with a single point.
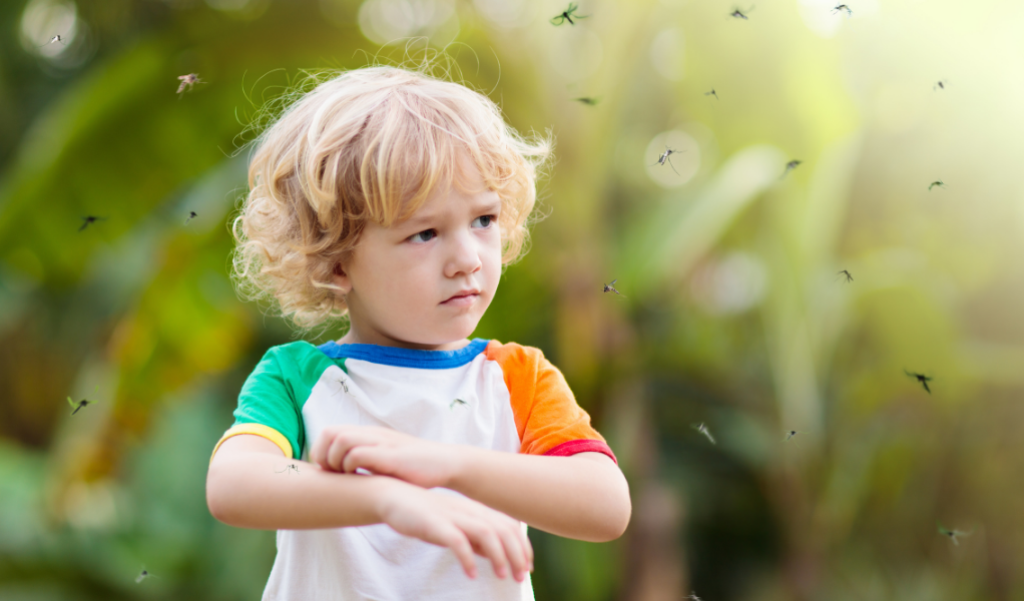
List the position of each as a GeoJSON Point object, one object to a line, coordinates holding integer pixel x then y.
{"type": "Point", "coordinates": [464, 256]}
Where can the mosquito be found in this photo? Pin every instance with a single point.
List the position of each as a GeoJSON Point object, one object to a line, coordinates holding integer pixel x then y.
{"type": "Point", "coordinates": [938, 183]}
{"type": "Point", "coordinates": [90, 219]}
{"type": "Point", "coordinates": [344, 385]}
{"type": "Point", "coordinates": [611, 287]}
{"type": "Point", "coordinates": [953, 534]}
{"type": "Point", "coordinates": [790, 435]}
{"type": "Point", "coordinates": [567, 15]}
{"type": "Point", "coordinates": [940, 85]}
{"type": "Point", "coordinates": [588, 100]}
{"type": "Point", "coordinates": [82, 403]}
{"type": "Point", "coordinates": [790, 166]}
{"type": "Point", "coordinates": [142, 576]}
{"type": "Point", "coordinates": [191, 215]}
{"type": "Point", "coordinates": [923, 379]}
{"type": "Point", "coordinates": [840, 8]}
{"type": "Point", "coordinates": [739, 14]}
{"type": "Point", "coordinates": [291, 467]}
{"type": "Point", "coordinates": [664, 158]}
{"type": "Point", "coordinates": [846, 274]}
{"type": "Point", "coordinates": [712, 93]}
{"type": "Point", "coordinates": [187, 81]}
{"type": "Point", "coordinates": [452, 404]}
{"type": "Point", "coordinates": [56, 38]}
{"type": "Point", "coordinates": [704, 430]}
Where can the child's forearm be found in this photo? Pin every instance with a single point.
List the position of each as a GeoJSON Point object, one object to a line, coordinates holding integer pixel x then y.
{"type": "Point", "coordinates": [261, 490]}
{"type": "Point", "coordinates": [584, 496]}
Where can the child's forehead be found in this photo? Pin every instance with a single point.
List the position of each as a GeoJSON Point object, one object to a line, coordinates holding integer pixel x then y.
{"type": "Point", "coordinates": [450, 199]}
{"type": "Point", "coordinates": [464, 188]}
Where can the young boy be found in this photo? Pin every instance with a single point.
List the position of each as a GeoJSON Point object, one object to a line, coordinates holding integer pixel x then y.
{"type": "Point", "coordinates": [389, 459]}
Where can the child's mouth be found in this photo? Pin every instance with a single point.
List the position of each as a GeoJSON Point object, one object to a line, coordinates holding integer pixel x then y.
{"type": "Point", "coordinates": [463, 300]}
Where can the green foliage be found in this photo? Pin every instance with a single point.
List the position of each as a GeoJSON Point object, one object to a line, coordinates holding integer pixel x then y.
{"type": "Point", "coordinates": [732, 310]}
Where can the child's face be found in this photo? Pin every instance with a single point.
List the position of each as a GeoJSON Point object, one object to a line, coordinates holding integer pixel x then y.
{"type": "Point", "coordinates": [425, 282]}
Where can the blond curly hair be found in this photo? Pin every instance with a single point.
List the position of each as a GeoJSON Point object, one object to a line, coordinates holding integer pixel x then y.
{"type": "Point", "coordinates": [368, 144]}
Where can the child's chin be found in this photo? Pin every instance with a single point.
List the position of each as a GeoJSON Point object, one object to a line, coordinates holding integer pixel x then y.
{"type": "Point", "coordinates": [457, 333]}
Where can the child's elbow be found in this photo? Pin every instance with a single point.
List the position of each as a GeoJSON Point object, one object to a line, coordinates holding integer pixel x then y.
{"type": "Point", "coordinates": [218, 500]}
{"type": "Point", "coordinates": [620, 518]}
{"type": "Point", "coordinates": [617, 511]}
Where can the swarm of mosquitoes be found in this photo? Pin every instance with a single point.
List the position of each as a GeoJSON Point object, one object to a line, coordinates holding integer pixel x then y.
{"type": "Point", "coordinates": [665, 158]}
{"type": "Point", "coordinates": [570, 15]}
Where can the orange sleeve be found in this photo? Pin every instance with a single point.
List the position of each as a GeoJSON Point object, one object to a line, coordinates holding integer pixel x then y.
{"type": "Point", "coordinates": [547, 417]}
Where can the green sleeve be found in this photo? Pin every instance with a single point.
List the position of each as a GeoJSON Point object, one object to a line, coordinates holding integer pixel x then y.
{"type": "Point", "coordinates": [276, 390]}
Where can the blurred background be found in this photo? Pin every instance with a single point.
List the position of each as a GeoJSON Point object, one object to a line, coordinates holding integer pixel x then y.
{"type": "Point", "coordinates": [732, 310]}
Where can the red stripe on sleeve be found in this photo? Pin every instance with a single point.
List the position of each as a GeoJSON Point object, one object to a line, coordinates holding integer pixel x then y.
{"type": "Point", "coordinates": [572, 447]}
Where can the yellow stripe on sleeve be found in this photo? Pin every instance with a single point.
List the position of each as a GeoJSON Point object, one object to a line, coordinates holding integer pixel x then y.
{"type": "Point", "coordinates": [259, 430]}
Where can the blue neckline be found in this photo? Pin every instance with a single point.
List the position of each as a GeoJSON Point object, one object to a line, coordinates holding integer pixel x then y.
{"type": "Point", "coordinates": [405, 357]}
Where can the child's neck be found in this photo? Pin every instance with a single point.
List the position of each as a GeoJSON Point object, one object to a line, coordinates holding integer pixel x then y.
{"type": "Point", "coordinates": [352, 337]}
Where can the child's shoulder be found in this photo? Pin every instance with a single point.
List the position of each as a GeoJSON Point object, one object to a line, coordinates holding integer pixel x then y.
{"type": "Point", "coordinates": [514, 354]}
{"type": "Point", "coordinates": [299, 356]}
{"type": "Point", "coordinates": [295, 349]}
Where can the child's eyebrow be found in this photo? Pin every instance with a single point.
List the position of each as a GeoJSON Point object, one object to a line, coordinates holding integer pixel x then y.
{"type": "Point", "coordinates": [421, 220]}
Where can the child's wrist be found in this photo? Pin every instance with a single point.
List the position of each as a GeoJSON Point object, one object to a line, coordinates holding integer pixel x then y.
{"type": "Point", "coordinates": [462, 466]}
{"type": "Point", "coordinates": [389, 490]}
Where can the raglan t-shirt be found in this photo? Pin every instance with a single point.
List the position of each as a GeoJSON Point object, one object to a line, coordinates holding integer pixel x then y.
{"type": "Point", "coordinates": [502, 397]}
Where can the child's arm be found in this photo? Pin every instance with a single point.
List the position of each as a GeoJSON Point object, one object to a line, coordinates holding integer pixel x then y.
{"type": "Point", "coordinates": [584, 496]}
{"type": "Point", "coordinates": [251, 484]}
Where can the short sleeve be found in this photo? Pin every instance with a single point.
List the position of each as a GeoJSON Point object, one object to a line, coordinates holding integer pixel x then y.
{"type": "Point", "coordinates": [548, 419]}
{"type": "Point", "coordinates": [267, 405]}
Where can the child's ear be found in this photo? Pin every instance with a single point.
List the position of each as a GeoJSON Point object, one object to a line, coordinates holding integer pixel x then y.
{"type": "Point", "coordinates": [341, 278]}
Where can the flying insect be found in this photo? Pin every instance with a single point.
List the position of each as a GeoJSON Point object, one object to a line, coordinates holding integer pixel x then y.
{"type": "Point", "coordinates": [567, 15]}
{"type": "Point", "coordinates": [923, 379]}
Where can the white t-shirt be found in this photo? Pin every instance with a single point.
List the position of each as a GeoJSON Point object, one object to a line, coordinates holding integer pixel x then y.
{"type": "Point", "coordinates": [502, 397]}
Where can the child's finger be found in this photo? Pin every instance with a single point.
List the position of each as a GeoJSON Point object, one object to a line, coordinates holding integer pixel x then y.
{"type": "Point", "coordinates": [516, 550]}
{"type": "Point", "coordinates": [340, 446]}
{"type": "Point", "coordinates": [328, 446]}
{"type": "Point", "coordinates": [456, 540]}
{"type": "Point", "coordinates": [527, 545]}
{"type": "Point", "coordinates": [487, 543]}
{"type": "Point", "coordinates": [318, 453]}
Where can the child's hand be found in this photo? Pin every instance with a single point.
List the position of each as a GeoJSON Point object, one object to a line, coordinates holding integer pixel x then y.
{"type": "Point", "coordinates": [385, 452]}
{"type": "Point", "coordinates": [461, 524]}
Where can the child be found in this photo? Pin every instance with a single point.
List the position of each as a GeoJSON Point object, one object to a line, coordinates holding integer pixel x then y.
{"type": "Point", "coordinates": [387, 459]}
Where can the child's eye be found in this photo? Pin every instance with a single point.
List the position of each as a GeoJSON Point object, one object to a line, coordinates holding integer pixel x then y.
{"type": "Point", "coordinates": [424, 236]}
{"type": "Point", "coordinates": [485, 221]}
